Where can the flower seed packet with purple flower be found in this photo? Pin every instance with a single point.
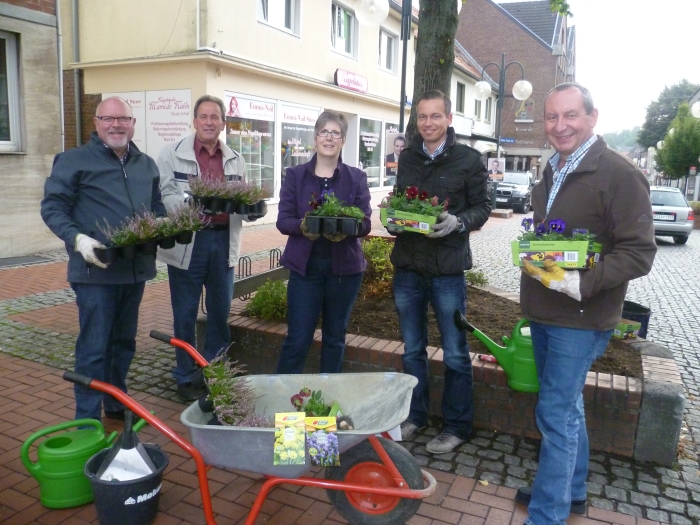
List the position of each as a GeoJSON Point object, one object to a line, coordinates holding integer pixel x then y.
{"type": "Point", "coordinates": [322, 441]}
{"type": "Point", "coordinates": [548, 241]}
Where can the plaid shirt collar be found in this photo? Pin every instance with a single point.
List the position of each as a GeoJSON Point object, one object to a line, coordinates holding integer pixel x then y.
{"type": "Point", "coordinates": [569, 166]}
{"type": "Point", "coordinates": [126, 153]}
{"type": "Point", "coordinates": [436, 152]}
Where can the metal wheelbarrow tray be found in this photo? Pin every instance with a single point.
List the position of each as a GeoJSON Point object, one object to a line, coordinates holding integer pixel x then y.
{"type": "Point", "coordinates": [376, 402]}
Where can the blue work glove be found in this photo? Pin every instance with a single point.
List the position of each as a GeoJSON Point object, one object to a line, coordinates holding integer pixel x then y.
{"type": "Point", "coordinates": [447, 223]}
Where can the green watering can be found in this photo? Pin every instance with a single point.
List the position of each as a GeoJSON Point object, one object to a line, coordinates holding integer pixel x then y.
{"type": "Point", "coordinates": [516, 358]}
{"type": "Point", "coordinates": [62, 458]}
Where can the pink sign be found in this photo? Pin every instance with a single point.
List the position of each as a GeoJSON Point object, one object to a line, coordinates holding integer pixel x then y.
{"type": "Point", "coordinates": [349, 80]}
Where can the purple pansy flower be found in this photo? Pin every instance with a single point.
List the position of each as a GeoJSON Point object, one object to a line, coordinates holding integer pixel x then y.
{"type": "Point", "coordinates": [557, 226]}
{"type": "Point", "coordinates": [527, 223]}
{"type": "Point", "coordinates": [540, 230]}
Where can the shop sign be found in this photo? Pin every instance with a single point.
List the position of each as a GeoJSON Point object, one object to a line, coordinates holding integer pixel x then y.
{"type": "Point", "coordinates": [168, 118]}
{"type": "Point", "coordinates": [296, 115]}
{"type": "Point", "coordinates": [248, 108]}
{"type": "Point", "coordinates": [507, 140]}
{"type": "Point", "coordinates": [349, 80]}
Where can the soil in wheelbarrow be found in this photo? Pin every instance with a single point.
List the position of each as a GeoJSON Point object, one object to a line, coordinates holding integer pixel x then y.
{"type": "Point", "coordinates": [495, 316]}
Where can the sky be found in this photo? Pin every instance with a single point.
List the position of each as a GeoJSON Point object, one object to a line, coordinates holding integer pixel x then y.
{"type": "Point", "coordinates": [629, 50]}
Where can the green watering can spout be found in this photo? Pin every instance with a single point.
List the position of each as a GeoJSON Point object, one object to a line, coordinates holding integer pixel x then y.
{"type": "Point", "coordinates": [516, 357]}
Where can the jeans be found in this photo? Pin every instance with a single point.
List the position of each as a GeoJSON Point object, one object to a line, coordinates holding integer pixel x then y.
{"type": "Point", "coordinates": [108, 315]}
{"type": "Point", "coordinates": [308, 296]}
{"type": "Point", "coordinates": [563, 357]}
{"type": "Point", "coordinates": [209, 268]}
{"type": "Point", "coordinates": [446, 293]}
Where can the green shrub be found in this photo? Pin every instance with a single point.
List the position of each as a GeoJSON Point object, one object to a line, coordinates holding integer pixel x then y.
{"type": "Point", "coordinates": [695, 205]}
{"type": "Point", "coordinates": [380, 272]}
{"type": "Point", "coordinates": [269, 302]}
{"type": "Point", "coordinates": [476, 278]}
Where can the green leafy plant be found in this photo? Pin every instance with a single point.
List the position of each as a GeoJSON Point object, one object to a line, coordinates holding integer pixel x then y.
{"type": "Point", "coordinates": [414, 201]}
{"type": "Point", "coordinates": [188, 217]}
{"type": "Point", "coordinates": [311, 403]}
{"type": "Point", "coordinates": [695, 205]}
{"type": "Point", "coordinates": [380, 272]}
{"type": "Point", "coordinates": [328, 205]}
{"type": "Point", "coordinates": [269, 302]}
{"type": "Point", "coordinates": [231, 394]}
{"type": "Point", "coordinates": [476, 278]}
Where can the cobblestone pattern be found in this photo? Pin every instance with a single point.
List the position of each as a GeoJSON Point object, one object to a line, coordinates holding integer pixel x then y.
{"type": "Point", "coordinates": [615, 483]}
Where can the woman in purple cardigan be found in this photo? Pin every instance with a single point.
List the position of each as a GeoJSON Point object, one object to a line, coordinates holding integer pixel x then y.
{"type": "Point", "coordinates": [325, 270]}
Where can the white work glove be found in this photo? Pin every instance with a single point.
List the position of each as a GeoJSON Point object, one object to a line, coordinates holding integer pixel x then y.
{"type": "Point", "coordinates": [555, 278]}
{"type": "Point", "coordinates": [86, 246]}
{"type": "Point", "coordinates": [447, 223]}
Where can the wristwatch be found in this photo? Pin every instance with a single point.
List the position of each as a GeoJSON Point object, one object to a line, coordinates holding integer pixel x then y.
{"type": "Point", "coordinates": [461, 228]}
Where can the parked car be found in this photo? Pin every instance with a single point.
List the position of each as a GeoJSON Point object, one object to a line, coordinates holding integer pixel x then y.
{"type": "Point", "coordinates": [673, 216]}
{"type": "Point", "coordinates": [513, 191]}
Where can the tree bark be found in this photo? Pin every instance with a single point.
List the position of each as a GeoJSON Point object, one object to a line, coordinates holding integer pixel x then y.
{"type": "Point", "coordinates": [435, 53]}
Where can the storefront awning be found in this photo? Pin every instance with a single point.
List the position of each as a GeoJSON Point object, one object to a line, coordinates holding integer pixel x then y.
{"type": "Point", "coordinates": [484, 147]}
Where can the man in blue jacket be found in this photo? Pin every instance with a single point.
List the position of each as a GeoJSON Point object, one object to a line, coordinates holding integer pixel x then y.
{"type": "Point", "coordinates": [103, 184]}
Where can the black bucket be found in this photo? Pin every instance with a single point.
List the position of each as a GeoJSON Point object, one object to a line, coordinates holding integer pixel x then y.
{"type": "Point", "coordinates": [134, 502]}
{"type": "Point", "coordinates": [639, 313]}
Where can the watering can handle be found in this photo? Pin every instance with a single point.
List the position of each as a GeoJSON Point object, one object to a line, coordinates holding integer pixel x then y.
{"type": "Point", "coordinates": [462, 322]}
{"type": "Point", "coordinates": [24, 452]}
{"type": "Point", "coordinates": [518, 326]}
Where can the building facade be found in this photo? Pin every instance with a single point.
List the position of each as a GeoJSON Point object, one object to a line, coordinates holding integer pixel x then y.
{"type": "Point", "coordinates": [529, 33]}
{"type": "Point", "coordinates": [30, 121]}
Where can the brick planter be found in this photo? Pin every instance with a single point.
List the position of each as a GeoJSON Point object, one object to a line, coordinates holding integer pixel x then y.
{"type": "Point", "coordinates": [637, 418]}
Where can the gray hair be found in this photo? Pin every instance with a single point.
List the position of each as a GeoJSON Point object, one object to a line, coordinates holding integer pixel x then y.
{"type": "Point", "coordinates": [332, 116]}
{"type": "Point", "coordinates": [435, 94]}
{"type": "Point", "coordinates": [210, 98]}
{"type": "Point", "coordinates": [587, 97]}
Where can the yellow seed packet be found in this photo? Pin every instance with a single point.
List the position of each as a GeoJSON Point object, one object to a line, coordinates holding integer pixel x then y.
{"type": "Point", "coordinates": [290, 439]}
{"type": "Point", "coordinates": [323, 441]}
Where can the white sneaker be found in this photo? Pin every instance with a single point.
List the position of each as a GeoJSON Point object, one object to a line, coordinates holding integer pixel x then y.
{"type": "Point", "coordinates": [409, 429]}
{"type": "Point", "coordinates": [444, 442]}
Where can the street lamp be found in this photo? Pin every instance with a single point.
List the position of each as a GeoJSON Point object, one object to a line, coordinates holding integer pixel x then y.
{"type": "Point", "coordinates": [695, 109]}
{"type": "Point", "coordinates": [522, 89]}
{"type": "Point", "coordinates": [371, 13]}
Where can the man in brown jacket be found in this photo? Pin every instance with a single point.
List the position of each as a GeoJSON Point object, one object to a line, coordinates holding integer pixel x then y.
{"type": "Point", "coordinates": [572, 313]}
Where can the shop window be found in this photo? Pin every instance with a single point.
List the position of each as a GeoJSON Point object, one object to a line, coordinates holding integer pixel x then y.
{"type": "Point", "coordinates": [250, 130]}
{"type": "Point", "coordinates": [394, 142]}
{"type": "Point", "coordinates": [387, 51]}
{"type": "Point", "coordinates": [477, 109]}
{"type": "Point", "coordinates": [297, 141]}
{"type": "Point", "coordinates": [343, 30]}
{"type": "Point", "coordinates": [370, 152]}
{"type": "Point", "coordinates": [282, 14]}
{"type": "Point", "coordinates": [459, 105]}
{"type": "Point", "coordinates": [10, 132]}
{"type": "Point", "coordinates": [487, 110]}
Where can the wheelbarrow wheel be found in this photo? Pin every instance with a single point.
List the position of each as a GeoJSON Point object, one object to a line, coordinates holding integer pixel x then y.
{"type": "Point", "coordinates": [361, 465]}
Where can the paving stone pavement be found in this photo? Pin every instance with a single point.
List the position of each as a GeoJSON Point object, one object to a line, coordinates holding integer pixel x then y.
{"type": "Point", "coordinates": [615, 483]}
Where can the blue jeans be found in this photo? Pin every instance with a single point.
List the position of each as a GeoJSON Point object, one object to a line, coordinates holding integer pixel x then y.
{"type": "Point", "coordinates": [308, 296]}
{"type": "Point", "coordinates": [563, 357]}
{"type": "Point", "coordinates": [446, 294]}
{"type": "Point", "coordinates": [108, 315]}
{"type": "Point", "coordinates": [208, 268]}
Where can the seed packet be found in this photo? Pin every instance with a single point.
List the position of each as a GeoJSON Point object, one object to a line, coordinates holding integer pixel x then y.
{"type": "Point", "coordinates": [290, 439]}
{"type": "Point", "coordinates": [323, 441]}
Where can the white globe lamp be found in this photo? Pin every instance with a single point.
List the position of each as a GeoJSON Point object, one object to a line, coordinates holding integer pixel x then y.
{"type": "Point", "coordinates": [695, 109]}
{"type": "Point", "coordinates": [522, 90]}
{"type": "Point", "coordinates": [482, 90]}
{"type": "Point", "coordinates": [371, 13]}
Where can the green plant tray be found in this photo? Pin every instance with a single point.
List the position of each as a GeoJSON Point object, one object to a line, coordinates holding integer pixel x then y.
{"type": "Point", "coordinates": [404, 221]}
{"type": "Point", "coordinates": [567, 254]}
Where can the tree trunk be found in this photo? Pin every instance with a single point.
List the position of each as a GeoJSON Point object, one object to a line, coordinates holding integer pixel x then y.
{"type": "Point", "coordinates": [435, 53]}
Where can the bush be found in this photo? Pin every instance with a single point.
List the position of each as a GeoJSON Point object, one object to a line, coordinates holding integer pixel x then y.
{"type": "Point", "coordinates": [380, 272]}
{"type": "Point", "coordinates": [695, 205]}
{"type": "Point", "coordinates": [476, 278]}
{"type": "Point", "coordinates": [269, 302]}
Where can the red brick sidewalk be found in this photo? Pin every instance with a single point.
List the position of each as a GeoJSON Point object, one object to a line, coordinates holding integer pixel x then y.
{"type": "Point", "coordinates": [34, 396]}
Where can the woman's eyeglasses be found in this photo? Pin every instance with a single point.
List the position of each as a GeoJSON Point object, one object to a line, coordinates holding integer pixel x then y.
{"type": "Point", "coordinates": [334, 134]}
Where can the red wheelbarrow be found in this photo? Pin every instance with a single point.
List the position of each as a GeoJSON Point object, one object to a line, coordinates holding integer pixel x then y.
{"type": "Point", "coordinates": [378, 481]}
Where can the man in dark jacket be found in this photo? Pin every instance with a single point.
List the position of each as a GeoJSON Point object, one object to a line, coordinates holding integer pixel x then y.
{"type": "Point", "coordinates": [430, 268]}
{"type": "Point", "coordinates": [572, 313]}
{"type": "Point", "coordinates": [98, 185]}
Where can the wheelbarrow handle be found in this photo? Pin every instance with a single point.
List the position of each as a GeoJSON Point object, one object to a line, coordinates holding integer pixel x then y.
{"type": "Point", "coordinates": [179, 343]}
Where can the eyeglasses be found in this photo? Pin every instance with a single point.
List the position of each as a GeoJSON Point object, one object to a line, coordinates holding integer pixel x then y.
{"type": "Point", "coordinates": [334, 134]}
{"type": "Point", "coordinates": [109, 120]}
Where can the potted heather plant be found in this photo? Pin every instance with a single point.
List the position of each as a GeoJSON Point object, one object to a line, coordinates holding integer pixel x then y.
{"type": "Point", "coordinates": [188, 218]}
{"type": "Point", "coordinates": [210, 194]}
{"type": "Point", "coordinates": [230, 396]}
